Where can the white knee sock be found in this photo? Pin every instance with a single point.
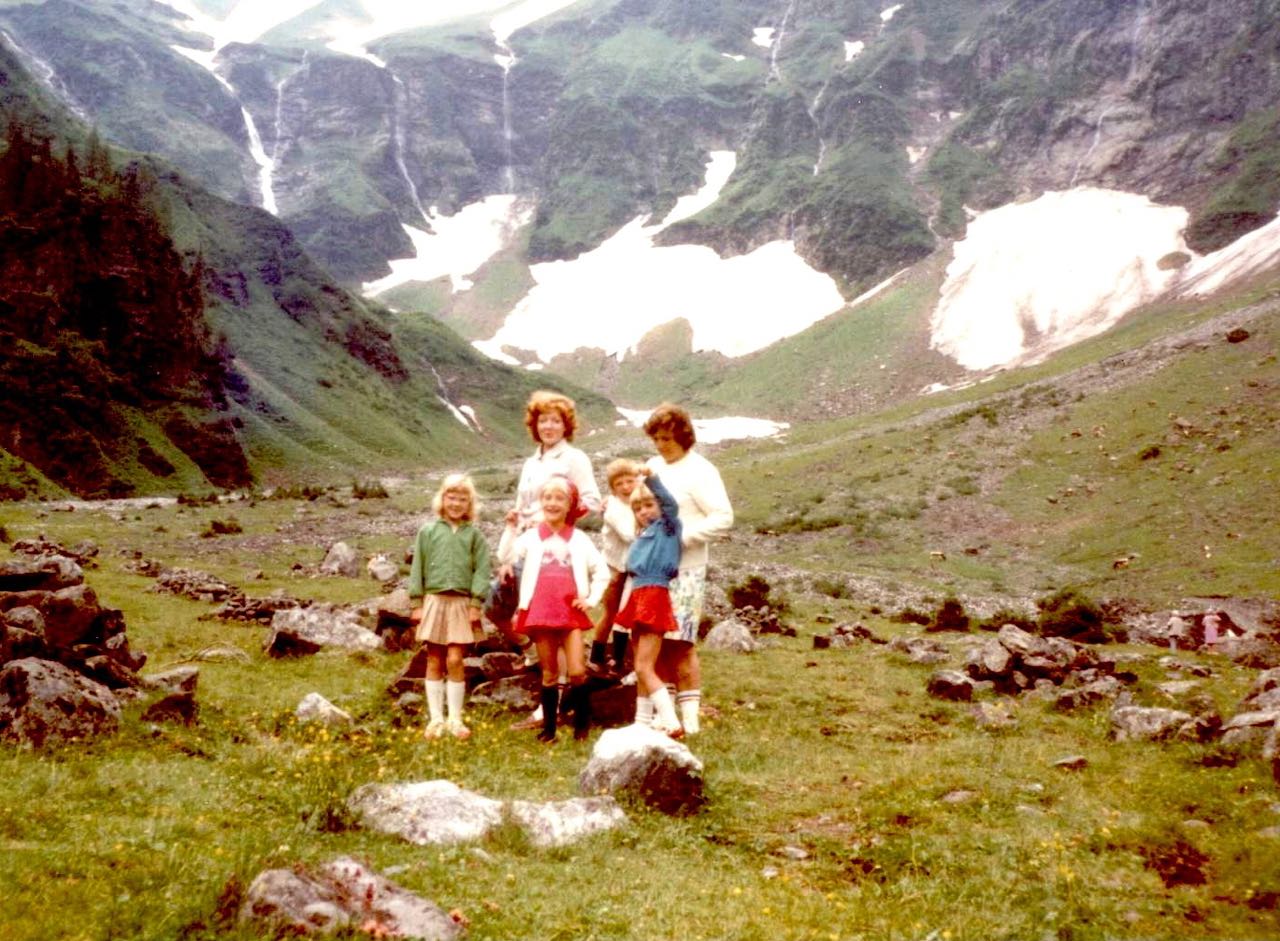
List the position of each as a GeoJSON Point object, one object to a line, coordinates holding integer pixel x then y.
{"type": "Point", "coordinates": [644, 709]}
{"type": "Point", "coordinates": [457, 694]}
{"type": "Point", "coordinates": [435, 700]}
{"type": "Point", "coordinates": [690, 702]}
{"type": "Point", "coordinates": [664, 711]}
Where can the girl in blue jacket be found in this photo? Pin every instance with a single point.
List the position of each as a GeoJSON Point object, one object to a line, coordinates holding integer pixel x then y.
{"type": "Point", "coordinates": [652, 562]}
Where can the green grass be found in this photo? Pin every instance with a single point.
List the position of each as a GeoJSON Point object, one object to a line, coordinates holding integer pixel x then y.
{"type": "Point", "coordinates": [139, 835]}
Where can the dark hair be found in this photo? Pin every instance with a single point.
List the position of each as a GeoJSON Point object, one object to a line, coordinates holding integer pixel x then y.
{"type": "Point", "coordinates": [672, 418]}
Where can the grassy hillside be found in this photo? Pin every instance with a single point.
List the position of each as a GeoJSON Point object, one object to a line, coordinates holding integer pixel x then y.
{"type": "Point", "coordinates": [1150, 444]}
{"type": "Point", "coordinates": [844, 802]}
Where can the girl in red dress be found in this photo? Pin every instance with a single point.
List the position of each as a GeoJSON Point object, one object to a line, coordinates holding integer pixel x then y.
{"type": "Point", "coordinates": [563, 577]}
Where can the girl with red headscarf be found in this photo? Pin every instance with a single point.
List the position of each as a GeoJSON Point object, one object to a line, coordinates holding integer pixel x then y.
{"type": "Point", "coordinates": [562, 578]}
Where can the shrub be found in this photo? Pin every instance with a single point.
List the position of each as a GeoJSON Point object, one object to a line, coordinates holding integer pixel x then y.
{"type": "Point", "coordinates": [1007, 616]}
{"type": "Point", "coordinates": [227, 527]}
{"type": "Point", "coordinates": [4, 535]}
{"type": "Point", "coordinates": [754, 592]}
{"type": "Point", "coordinates": [1070, 614]}
{"type": "Point", "coordinates": [368, 490]}
{"type": "Point", "coordinates": [832, 587]}
{"type": "Point", "coordinates": [911, 616]}
{"type": "Point", "coordinates": [187, 499]}
{"type": "Point", "coordinates": [950, 616]}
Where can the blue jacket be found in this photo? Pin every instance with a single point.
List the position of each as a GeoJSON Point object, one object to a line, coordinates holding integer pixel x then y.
{"type": "Point", "coordinates": [654, 558]}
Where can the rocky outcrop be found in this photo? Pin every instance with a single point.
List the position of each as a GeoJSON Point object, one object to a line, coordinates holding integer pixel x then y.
{"type": "Point", "coordinates": [342, 896]}
{"type": "Point", "coordinates": [42, 700]}
{"type": "Point", "coordinates": [638, 763]}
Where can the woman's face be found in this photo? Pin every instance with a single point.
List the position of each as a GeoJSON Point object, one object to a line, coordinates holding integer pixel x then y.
{"type": "Point", "coordinates": [550, 427]}
{"type": "Point", "coordinates": [665, 443]}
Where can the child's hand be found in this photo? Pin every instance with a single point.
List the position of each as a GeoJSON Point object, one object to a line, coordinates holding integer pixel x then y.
{"type": "Point", "coordinates": [645, 471]}
{"type": "Point", "coordinates": [512, 517]}
{"type": "Point", "coordinates": [475, 617]}
{"type": "Point", "coordinates": [581, 605]}
{"type": "Point", "coordinates": [415, 616]}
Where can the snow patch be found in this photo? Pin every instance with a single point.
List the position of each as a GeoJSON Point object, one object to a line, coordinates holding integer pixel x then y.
{"type": "Point", "coordinates": [852, 49]}
{"type": "Point", "coordinates": [521, 15]}
{"type": "Point", "coordinates": [611, 297]}
{"type": "Point", "coordinates": [734, 56]}
{"type": "Point", "coordinates": [887, 14]}
{"type": "Point", "coordinates": [1032, 278]}
{"type": "Point", "coordinates": [915, 153]}
{"type": "Point", "coordinates": [460, 244]}
{"type": "Point", "coordinates": [763, 36]}
{"type": "Point", "coordinates": [1251, 253]}
{"type": "Point", "coordinates": [715, 430]}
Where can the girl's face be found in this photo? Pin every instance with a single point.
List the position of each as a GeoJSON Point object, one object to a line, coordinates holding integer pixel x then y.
{"type": "Point", "coordinates": [550, 428]}
{"type": "Point", "coordinates": [623, 484]}
{"type": "Point", "coordinates": [455, 505]}
{"type": "Point", "coordinates": [555, 506]}
{"type": "Point", "coordinates": [647, 511]}
{"type": "Point", "coordinates": [665, 443]}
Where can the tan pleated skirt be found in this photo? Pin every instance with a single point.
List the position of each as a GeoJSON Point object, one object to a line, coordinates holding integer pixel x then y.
{"type": "Point", "coordinates": [446, 619]}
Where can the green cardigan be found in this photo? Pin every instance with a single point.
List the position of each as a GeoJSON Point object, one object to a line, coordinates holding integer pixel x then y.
{"type": "Point", "coordinates": [445, 559]}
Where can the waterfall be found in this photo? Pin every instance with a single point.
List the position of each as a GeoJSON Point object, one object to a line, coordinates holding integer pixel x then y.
{"type": "Point", "coordinates": [265, 164]}
{"type": "Point", "coordinates": [400, 93]}
{"type": "Point", "coordinates": [817, 125]}
{"type": "Point", "coordinates": [46, 75]}
{"type": "Point", "coordinates": [775, 73]}
{"type": "Point", "coordinates": [507, 60]}
{"type": "Point", "coordinates": [1097, 136]}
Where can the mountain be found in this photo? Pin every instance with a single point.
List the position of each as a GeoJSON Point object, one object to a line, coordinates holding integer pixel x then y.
{"type": "Point", "coordinates": [157, 337]}
{"type": "Point", "coordinates": [865, 139]}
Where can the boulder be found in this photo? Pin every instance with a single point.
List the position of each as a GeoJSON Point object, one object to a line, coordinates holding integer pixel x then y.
{"type": "Point", "coordinates": [560, 823]}
{"type": "Point", "coordinates": [41, 699]}
{"type": "Point", "coordinates": [200, 586]}
{"type": "Point", "coordinates": [1130, 723]}
{"type": "Point", "coordinates": [988, 660]}
{"type": "Point", "coordinates": [425, 812]}
{"type": "Point", "coordinates": [382, 569]}
{"type": "Point", "coordinates": [919, 650]}
{"type": "Point", "coordinates": [732, 636]}
{"type": "Point", "coordinates": [513, 692]}
{"type": "Point", "coordinates": [315, 708]}
{"type": "Point", "coordinates": [341, 896]}
{"type": "Point", "coordinates": [341, 560]}
{"type": "Point", "coordinates": [308, 630]}
{"type": "Point", "coordinates": [177, 680]}
{"type": "Point", "coordinates": [950, 684]}
{"type": "Point", "coordinates": [645, 765]}
{"type": "Point", "coordinates": [178, 708]}
{"type": "Point", "coordinates": [46, 573]}
{"type": "Point", "coordinates": [1107, 687]}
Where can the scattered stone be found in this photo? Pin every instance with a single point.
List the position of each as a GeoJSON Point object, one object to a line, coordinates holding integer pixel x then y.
{"type": "Point", "coordinates": [794, 852]}
{"type": "Point", "coordinates": [1133, 723]}
{"type": "Point", "coordinates": [1108, 687]}
{"type": "Point", "coordinates": [426, 812]}
{"type": "Point", "coordinates": [950, 684]}
{"type": "Point", "coordinates": [958, 797]}
{"type": "Point", "coordinates": [242, 607]}
{"type": "Point", "coordinates": [1237, 335]}
{"type": "Point", "coordinates": [646, 765]}
{"type": "Point", "coordinates": [341, 560]}
{"type": "Point", "coordinates": [221, 655]}
{"type": "Point", "coordinates": [41, 699]}
{"type": "Point", "coordinates": [382, 569]}
{"type": "Point", "coordinates": [189, 583]}
{"type": "Point", "coordinates": [177, 708]}
{"type": "Point", "coordinates": [518, 693]}
{"type": "Point", "coordinates": [920, 650]}
{"type": "Point", "coordinates": [732, 636]}
{"type": "Point", "coordinates": [1072, 763]}
{"type": "Point", "coordinates": [308, 630]}
{"type": "Point", "coordinates": [1174, 665]}
{"type": "Point", "coordinates": [989, 715]}
{"type": "Point", "coordinates": [341, 896]}
{"type": "Point", "coordinates": [561, 823]}
{"type": "Point", "coordinates": [44, 573]}
{"type": "Point", "coordinates": [1176, 689]}
{"type": "Point", "coordinates": [315, 708]}
{"type": "Point", "coordinates": [177, 680]}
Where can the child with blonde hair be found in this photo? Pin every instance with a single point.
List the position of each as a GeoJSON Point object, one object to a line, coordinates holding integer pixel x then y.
{"type": "Point", "coordinates": [450, 574]}
{"type": "Point", "coordinates": [562, 578]}
{"type": "Point", "coordinates": [617, 531]}
{"type": "Point", "coordinates": [652, 562]}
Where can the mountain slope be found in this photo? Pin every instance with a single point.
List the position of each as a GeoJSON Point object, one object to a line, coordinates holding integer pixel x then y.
{"type": "Point", "coordinates": [172, 340]}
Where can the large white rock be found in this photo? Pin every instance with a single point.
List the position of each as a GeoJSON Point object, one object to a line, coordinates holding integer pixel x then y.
{"type": "Point", "coordinates": [306, 630]}
{"type": "Point", "coordinates": [425, 812]}
{"type": "Point", "coordinates": [559, 823]}
{"type": "Point", "coordinates": [315, 708]}
{"type": "Point", "coordinates": [646, 765]}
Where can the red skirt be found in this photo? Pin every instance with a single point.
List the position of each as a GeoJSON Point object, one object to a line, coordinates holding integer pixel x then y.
{"type": "Point", "coordinates": [648, 609]}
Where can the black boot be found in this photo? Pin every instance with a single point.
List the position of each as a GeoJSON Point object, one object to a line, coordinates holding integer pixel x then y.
{"type": "Point", "coordinates": [619, 651]}
{"type": "Point", "coordinates": [597, 659]}
{"type": "Point", "coordinates": [550, 706]}
{"type": "Point", "coordinates": [580, 696]}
